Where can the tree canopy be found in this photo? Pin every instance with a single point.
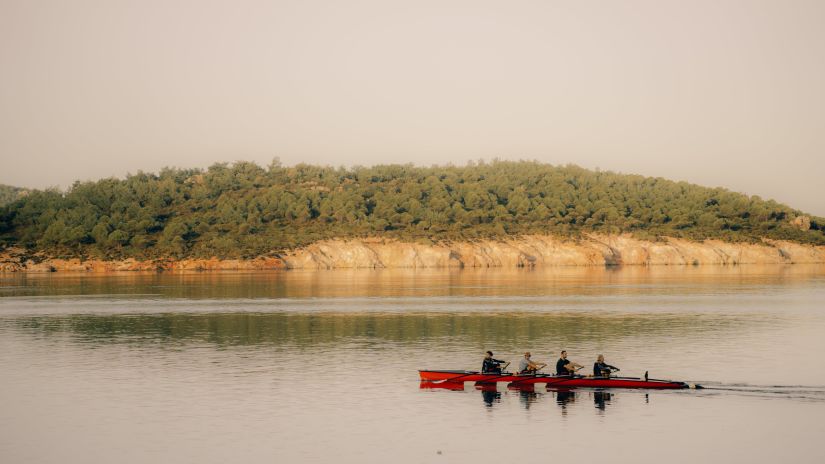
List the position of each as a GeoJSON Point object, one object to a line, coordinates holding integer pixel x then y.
{"type": "Point", "coordinates": [9, 194]}
{"type": "Point", "coordinates": [243, 209]}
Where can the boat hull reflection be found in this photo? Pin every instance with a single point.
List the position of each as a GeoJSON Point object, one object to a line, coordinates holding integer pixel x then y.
{"type": "Point", "coordinates": [551, 380]}
{"type": "Point", "coordinates": [456, 386]}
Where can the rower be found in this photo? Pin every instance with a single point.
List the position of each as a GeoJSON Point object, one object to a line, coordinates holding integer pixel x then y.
{"type": "Point", "coordinates": [566, 367]}
{"type": "Point", "coordinates": [526, 366]}
{"type": "Point", "coordinates": [600, 369]}
{"type": "Point", "coordinates": [491, 365]}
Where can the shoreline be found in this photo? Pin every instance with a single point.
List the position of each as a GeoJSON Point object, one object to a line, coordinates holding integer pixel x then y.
{"type": "Point", "coordinates": [517, 252]}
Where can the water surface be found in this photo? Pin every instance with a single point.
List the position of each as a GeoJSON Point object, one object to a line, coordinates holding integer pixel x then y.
{"type": "Point", "coordinates": [321, 366]}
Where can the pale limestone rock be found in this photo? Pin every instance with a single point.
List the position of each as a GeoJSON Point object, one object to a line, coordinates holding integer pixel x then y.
{"type": "Point", "coordinates": [802, 222]}
{"type": "Point", "coordinates": [523, 251]}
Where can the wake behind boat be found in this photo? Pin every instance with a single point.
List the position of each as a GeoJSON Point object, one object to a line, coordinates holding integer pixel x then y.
{"type": "Point", "coordinates": [455, 377]}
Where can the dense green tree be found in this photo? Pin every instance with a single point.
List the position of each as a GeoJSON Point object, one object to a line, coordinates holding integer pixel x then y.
{"type": "Point", "coordinates": [241, 209]}
{"type": "Point", "coordinates": [9, 194]}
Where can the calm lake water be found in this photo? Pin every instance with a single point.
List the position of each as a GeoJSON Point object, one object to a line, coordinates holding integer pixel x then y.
{"type": "Point", "coordinates": [322, 366]}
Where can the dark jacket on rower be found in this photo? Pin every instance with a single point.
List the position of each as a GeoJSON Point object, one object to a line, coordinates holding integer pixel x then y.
{"type": "Point", "coordinates": [561, 367]}
{"type": "Point", "coordinates": [491, 366]}
{"type": "Point", "coordinates": [602, 369]}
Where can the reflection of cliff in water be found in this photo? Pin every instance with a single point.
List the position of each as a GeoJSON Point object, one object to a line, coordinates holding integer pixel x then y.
{"type": "Point", "coordinates": [557, 282]}
{"type": "Point", "coordinates": [507, 331]}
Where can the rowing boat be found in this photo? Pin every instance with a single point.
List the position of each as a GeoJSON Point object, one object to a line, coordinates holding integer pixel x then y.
{"type": "Point", "coordinates": [459, 377]}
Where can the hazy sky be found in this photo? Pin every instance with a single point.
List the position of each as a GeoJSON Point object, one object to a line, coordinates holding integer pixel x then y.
{"type": "Point", "coordinates": [720, 93]}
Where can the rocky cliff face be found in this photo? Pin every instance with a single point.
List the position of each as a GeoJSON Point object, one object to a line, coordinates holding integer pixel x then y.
{"type": "Point", "coordinates": [594, 250]}
{"type": "Point", "coordinates": [525, 251]}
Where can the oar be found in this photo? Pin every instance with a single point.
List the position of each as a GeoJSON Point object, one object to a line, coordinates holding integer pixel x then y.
{"type": "Point", "coordinates": [571, 374]}
{"type": "Point", "coordinates": [610, 375]}
{"type": "Point", "coordinates": [528, 377]}
{"type": "Point", "coordinates": [560, 379]}
{"type": "Point", "coordinates": [531, 376]}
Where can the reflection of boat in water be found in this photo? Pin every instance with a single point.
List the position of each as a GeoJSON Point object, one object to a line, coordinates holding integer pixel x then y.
{"type": "Point", "coordinates": [527, 387]}
{"type": "Point", "coordinates": [489, 392]}
{"type": "Point", "coordinates": [567, 381]}
{"type": "Point", "coordinates": [482, 386]}
{"type": "Point", "coordinates": [527, 394]}
{"type": "Point", "coordinates": [563, 395]}
{"type": "Point", "coordinates": [457, 386]}
{"type": "Point", "coordinates": [528, 398]}
{"type": "Point", "coordinates": [490, 396]}
{"type": "Point", "coordinates": [601, 399]}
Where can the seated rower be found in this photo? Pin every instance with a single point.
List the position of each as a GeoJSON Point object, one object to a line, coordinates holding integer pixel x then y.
{"type": "Point", "coordinates": [566, 367]}
{"type": "Point", "coordinates": [526, 366]}
{"type": "Point", "coordinates": [600, 369]}
{"type": "Point", "coordinates": [491, 365]}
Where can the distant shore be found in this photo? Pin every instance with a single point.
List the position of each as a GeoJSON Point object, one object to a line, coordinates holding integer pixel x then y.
{"type": "Point", "coordinates": [522, 251]}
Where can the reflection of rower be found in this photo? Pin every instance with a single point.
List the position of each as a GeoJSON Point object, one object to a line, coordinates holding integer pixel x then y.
{"type": "Point", "coordinates": [491, 365]}
{"type": "Point", "coordinates": [601, 399]}
{"type": "Point", "coordinates": [600, 369]}
{"type": "Point", "coordinates": [527, 397]}
{"type": "Point", "coordinates": [490, 397]}
{"type": "Point", "coordinates": [566, 367]}
{"type": "Point", "coordinates": [564, 396]}
{"type": "Point", "coordinates": [526, 366]}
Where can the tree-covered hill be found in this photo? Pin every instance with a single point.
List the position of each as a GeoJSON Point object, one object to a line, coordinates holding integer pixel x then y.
{"type": "Point", "coordinates": [9, 194]}
{"type": "Point", "coordinates": [245, 210]}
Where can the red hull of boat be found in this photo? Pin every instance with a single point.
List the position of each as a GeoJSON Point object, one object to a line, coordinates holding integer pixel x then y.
{"type": "Point", "coordinates": [562, 381]}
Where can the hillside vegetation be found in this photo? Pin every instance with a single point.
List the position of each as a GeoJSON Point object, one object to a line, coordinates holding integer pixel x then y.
{"type": "Point", "coordinates": [9, 194]}
{"type": "Point", "coordinates": [243, 209]}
